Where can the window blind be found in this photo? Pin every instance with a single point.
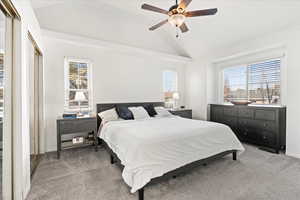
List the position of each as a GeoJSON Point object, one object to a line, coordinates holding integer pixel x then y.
{"type": "Point", "coordinates": [258, 82]}
{"type": "Point", "coordinates": [170, 81]}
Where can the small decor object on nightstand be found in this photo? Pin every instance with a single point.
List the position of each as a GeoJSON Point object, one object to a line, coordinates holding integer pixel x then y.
{"type": "Point", "coordinates": [69, 115]}
{"type": "Point", "coordinates": [78, 140]}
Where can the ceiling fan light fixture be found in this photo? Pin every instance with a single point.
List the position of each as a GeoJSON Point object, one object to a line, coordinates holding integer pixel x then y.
{"type": "Point", "coordinates": [176, 20]}
{"type": "Point", "coordinates": [177, 14]}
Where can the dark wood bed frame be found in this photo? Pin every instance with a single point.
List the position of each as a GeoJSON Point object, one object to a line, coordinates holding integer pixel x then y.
{"type": "Point", "coordinates": [172, 174]}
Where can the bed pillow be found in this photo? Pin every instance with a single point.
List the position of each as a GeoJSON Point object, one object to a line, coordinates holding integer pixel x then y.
{"type": "Point", "coordinates": [124, 113]}
{"type": "Point", "coordinates": [162, 112]}
{"type": "Point", "coordinates": [150, 110]}
{"type": "Point", "coordinates": [109, 115]}
{"type": "Point", "coordinates": [139, 112]}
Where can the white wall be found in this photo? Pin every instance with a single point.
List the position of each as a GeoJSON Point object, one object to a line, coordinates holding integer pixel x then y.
{"type": "Point", "coordinates": [290, 40]}
{"type": "Point", "coordinates": [117, 77]}
{"type": "Point", "coordinates": [27, 24]}
{"type": "Point", "coordinates": [196, 84]}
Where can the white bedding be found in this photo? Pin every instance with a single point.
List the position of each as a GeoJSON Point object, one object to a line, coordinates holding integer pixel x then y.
{"type": "Point", "coordinates": [152, 147]}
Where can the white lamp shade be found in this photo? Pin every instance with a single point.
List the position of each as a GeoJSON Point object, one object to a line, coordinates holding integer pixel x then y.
{"type": "Point", "coordinates": [176, 95]}
{"type": "Point", "coordinates": [79, 96]}
{"type": "Point", "coordinates": [177, 19]}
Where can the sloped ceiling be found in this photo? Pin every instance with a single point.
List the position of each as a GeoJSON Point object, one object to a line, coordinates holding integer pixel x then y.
{"type": "Point", "coordinates": [126, 23]}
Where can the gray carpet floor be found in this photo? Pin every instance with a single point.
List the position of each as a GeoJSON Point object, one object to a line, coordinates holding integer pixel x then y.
{"type": "Point", "coordinates": [1, 175]}
{"type": "Point", "coordinates": [83, 174]}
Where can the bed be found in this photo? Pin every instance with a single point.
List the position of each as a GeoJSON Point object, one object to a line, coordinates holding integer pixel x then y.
{"type": "Point", "coordinates": [150, 150]}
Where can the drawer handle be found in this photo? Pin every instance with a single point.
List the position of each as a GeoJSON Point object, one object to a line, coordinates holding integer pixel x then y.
{"type": "Point", "coordinates": [264, 137]}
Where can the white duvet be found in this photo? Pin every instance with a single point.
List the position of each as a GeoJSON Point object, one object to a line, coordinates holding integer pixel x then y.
{"type": "Point", "coordinates": [150, 148]}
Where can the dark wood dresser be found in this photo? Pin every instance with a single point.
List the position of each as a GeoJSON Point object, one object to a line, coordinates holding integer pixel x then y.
{"type": "Point", "coordinates": [261, 125]}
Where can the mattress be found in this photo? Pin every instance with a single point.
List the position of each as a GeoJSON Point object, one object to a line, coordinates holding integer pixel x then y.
{"type": "Point", "coordinates": [152, 147]}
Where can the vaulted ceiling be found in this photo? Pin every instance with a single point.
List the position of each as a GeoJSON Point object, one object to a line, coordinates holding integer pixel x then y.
{"type": "Point", "coordinates": [126, 23]}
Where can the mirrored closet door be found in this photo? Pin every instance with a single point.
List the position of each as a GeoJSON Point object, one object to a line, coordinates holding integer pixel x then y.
{"type": "Point", "coordinates": [8, 15]}
{"type": "Point", "coordinates": [5, 105]}
{"type": "Point", "coordinates": [35, 86]}
{"type": "Point", "coordinates": [34, 71]}
{"type": "Point", "coordinates": [2, 47]}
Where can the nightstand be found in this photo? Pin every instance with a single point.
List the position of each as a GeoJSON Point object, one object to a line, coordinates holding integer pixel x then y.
{"type": "Point", "coordinates": [186, 113]}
{"type": "Point", "coordinates": [68, 129]}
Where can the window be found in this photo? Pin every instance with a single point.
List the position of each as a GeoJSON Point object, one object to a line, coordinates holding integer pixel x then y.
{"type": "Point", "coordinates": [257, 82]}
{"type": "Point", "coordinates": [78, 91]}
{"type": "Point", "coordinates": [169, 86]}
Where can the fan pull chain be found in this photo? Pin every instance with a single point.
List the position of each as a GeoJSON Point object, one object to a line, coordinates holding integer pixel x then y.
{"type": "Point", "coordinates": [177, 32]}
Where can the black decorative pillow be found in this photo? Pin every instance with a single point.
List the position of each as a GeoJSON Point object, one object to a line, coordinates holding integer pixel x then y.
{"type": "Point", "coordinates": [150, 110]}
{"type": "Point", "coordinates": [124, 112]}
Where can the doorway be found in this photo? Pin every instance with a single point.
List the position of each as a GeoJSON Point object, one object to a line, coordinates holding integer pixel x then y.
{"type": "Point", "coordinates": [34, 82]}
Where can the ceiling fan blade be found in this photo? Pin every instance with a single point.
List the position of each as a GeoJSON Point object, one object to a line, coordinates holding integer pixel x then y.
{"type": "Point", "coordinates": [154, 9]}
{"type": "Point", "coordinates": [197, 13]}
{"type": "Point", "coordinates": [184, 3]}
{"type": "Point", "coordinates": [152, 28]}
{"type": "Point", "coordinates": [184, 28]}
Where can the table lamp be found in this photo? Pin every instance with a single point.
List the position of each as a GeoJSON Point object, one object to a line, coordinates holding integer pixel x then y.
{"type": "Point", "coordinates": [80, 97]}
{"type": "Point", "coordinates": [176, 98]}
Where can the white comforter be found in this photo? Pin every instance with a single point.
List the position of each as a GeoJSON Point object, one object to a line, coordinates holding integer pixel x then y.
{"type": "Point", "coordinates": [150, 148]}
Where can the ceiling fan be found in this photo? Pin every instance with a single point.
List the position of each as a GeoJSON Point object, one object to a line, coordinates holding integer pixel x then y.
{"type": "Point", "coordinates": [177, 14]}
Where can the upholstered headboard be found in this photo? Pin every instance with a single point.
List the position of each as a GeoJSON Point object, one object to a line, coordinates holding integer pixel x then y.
{"type": "Point", "coordinates": [106, 106]}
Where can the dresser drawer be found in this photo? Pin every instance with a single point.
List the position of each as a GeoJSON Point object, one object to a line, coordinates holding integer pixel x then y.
{"type": "Point", "coordinates": [82, 125]}
{"type": "Point", "coordinates": [267, 125]}
{"type": "Point", "coordinates": [230, 121]}
{"type": "Point", "coordinates": [265, 115]}
{"type": "Point", "coordinates": [247, 133]}
{"type": "Point", "coordinates": [230, 111]}
{"type": "Point", "coordinates": [216, 114]}
{"type": "Point", "coordinates": [217, 110]}
{"type": "Point", "coordinates": [246, 112]}
{"type": "Point", "coordinates": [249, 123]}
{"type": "Point", "coordinates": [268, 139]}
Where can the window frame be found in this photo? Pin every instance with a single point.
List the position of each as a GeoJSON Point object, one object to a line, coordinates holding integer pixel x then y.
{"type": "Point", "coordinates": [169, 103]}
{"type": "Point", "coordinates": [67, 89]}
{"type": "Point", "coordinates": [170, 70]}
{"type": "Point", "coordinates": [247, 64]}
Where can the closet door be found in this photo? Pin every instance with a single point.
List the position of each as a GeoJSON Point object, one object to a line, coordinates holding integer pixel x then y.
{"type": "Point", "coordinates": [5, 106]}
{"type": "Point", "coordinates": [33, 83]}
{"type": "Point", "coordinates": [2, 54]}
